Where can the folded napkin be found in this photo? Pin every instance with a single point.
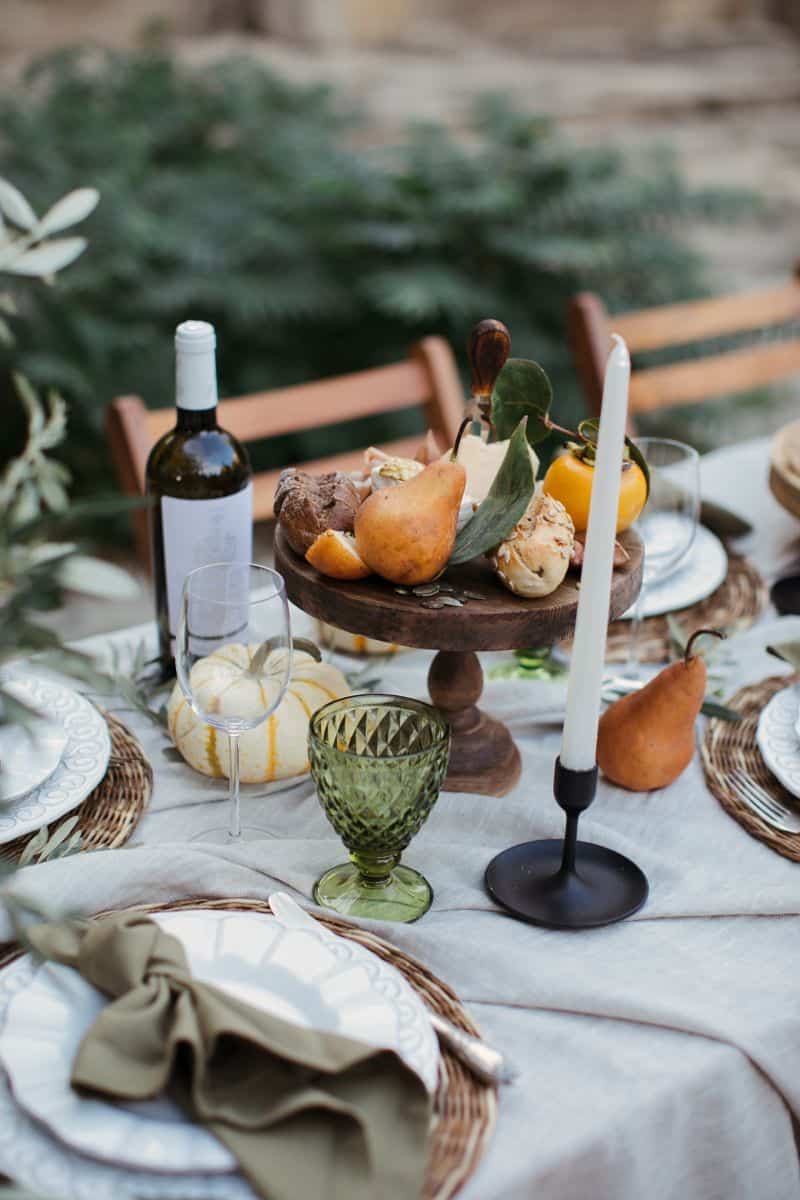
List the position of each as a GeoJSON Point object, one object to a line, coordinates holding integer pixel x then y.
{"type": "Point", "coordinates": [304, 1113]}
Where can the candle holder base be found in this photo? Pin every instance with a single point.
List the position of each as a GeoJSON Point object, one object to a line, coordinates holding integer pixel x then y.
{"type": "Point", "coordinates": [529, 881]}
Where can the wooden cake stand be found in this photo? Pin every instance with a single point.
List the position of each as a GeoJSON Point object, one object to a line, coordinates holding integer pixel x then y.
{"type": "Point", "coordinates": [483, 756]}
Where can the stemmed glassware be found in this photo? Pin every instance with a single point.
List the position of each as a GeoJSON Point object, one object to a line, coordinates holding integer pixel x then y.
{"type": "Point", "coordinates": [668, 524]}
{"type": "Point", "coordinates": [233, 659]}
{"type": "Point", "coordinates": [378, 763]}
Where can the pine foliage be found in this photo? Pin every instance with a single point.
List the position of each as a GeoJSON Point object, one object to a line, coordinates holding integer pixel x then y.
{"type": "Point", "coordinates": [235, 196]}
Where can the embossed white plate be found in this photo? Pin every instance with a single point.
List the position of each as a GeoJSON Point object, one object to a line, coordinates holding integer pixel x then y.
{"type": "Point", "coordinates": [28, 757]}
{"type": "Point", "coordinates": [300, 975]}
{"type": "Point", "coordinates": [83, 762]}
{"type": "Point", "coordinates": [776, 738]}
{"type": "Point", "coordinates": [700, 574]}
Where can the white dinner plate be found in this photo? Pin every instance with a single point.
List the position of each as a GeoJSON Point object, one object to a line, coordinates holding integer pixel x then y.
{"type": "Point", "coordinates": [701, 573]}
{"type": "Point", "coordinates": [28, 756]}
{"type": "Point", "coordinates": [300, 975]}
{"type": "Point", "coordinates": [776, 737]}
{"type": "Point", "coordinates": [83, 762]}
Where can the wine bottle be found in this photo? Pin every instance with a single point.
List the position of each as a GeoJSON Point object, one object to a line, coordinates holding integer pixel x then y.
{"type": "Point", "coordinates": [199, 483]}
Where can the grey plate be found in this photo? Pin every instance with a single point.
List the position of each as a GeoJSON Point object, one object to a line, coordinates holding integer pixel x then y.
{"type": "Point", "coordinates": [701, 573]}
{"type": "Point", "coordinates": [28, 757]}
{"type": "Point", "coordinates": [83, 762]}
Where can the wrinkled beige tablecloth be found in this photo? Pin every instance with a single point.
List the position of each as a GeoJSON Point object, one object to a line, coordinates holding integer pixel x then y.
{"type": "Point", "coordinates": [659, 1058]}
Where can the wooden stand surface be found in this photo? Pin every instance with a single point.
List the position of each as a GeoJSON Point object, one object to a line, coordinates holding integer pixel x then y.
{"type": "Point", "coordinates": [784, 470]}
{"type": "Point", "coordinates": [483, 756]}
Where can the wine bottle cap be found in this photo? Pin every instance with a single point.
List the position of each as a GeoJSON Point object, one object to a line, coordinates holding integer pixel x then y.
{"type": "Point", "coordinates": [195, 368]}
{"type": "Point", "coordinates": [195, 337]}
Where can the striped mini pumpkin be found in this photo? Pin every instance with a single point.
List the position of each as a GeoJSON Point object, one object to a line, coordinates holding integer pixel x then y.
{"type": "Point", "coordinates": [276, 749]}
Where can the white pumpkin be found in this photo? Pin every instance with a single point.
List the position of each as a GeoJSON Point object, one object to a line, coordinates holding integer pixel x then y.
{"type": "Point", "coordinates": [276, 749]}
{"type": "Point", "coordinates": [352, 643]}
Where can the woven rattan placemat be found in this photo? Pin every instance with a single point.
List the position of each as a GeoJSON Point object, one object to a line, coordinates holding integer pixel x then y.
{"type": "Point", "coordinates": [729, 746]}
{"type": "Point", "coordinates": [109, 815]}
{"type": "Point", "coordinates": [465, 1110]}
{"type": "Point", "coordinates": [735, 605]}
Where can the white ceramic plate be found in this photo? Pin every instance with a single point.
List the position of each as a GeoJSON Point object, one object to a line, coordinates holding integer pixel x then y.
{"type": "Point", "coordinates": [83, 762]}
{"type": "Point", "coordinates": [776, 738]}
{"type": "Point", "coordinates": [703, 570]}
{"type": "Point", "coordinates": [28, 758]}
{"type": "Point", "coordinates": [300, 975]}
{"type": "Point", "coordinates": [48, 1167]}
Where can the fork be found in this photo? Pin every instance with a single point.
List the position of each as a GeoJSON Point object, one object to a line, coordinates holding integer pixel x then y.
{"type": "Point", "coordinates": [764, 805]}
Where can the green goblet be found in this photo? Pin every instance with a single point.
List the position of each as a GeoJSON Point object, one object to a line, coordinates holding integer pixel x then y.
{"type": "Point", "coordinates": [378, 763]}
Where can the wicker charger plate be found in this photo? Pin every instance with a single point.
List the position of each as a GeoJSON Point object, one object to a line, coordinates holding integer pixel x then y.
{"type": "Point", "coordinates": [465, 1110]}
{"type": "Point", "coordinates": [735, 605]}
{"type": "Point", "coordinates": [109, 814]}
{"type": "Point", "coordinates": [727, 747]}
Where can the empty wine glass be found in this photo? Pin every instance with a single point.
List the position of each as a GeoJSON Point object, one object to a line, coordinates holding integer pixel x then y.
{"type": "Point", "coordinates": [668, 523]}
{"type": "Point", "coordinates": [233, 661]}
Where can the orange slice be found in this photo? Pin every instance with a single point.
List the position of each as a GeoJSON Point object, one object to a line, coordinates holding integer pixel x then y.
{"type": "Point", "coordinates": [334, 553]}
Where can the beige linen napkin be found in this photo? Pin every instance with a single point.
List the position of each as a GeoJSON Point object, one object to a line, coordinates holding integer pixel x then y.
{"type": "Point", "coordinates": [305, 1113]}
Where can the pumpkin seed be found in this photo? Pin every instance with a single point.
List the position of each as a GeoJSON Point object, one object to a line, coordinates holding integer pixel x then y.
{"type": "Point", "coordinates": [446, 587]}
{"type": "Point", "coordinates": [401, 591]}
{"type": "Point", "coordinates": [473, 595]}
{"type": "Point", "coordinates": [426, 589]}
{"type": "Point", "coordinates": [435, 603]}
{"type": "Point", "coordinates": [450, 602]}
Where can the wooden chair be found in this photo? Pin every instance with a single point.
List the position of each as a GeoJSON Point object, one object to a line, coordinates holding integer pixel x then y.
{"type": "Point", "coordinates": [690, 382]}
{"type": "Point", "coordinates": [428, 379]}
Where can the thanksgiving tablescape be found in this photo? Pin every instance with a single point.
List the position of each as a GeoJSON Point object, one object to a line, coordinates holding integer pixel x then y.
{"type": "Point", "coordinates": [205, 1047]}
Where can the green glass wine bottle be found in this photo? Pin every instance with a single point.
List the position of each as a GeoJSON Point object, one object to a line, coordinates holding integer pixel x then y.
{"type": "Point", "coordinates": [199, 483]}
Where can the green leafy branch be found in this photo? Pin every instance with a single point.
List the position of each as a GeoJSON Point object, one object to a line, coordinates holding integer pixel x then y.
{"type": "Point", "coordinates": [523, 390]}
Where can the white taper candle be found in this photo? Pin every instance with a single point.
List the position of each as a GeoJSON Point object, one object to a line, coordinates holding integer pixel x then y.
{"type": "Point", "coordinates": [579, 742]}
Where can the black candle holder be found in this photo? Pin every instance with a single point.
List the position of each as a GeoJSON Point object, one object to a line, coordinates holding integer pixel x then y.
{"type": "Point", "coordinates": [567, 884]}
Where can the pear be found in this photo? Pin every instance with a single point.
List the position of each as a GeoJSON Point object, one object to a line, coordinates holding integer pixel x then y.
{"type": "Point", "coordinates": [406, 533]}
{"type": "Point", "coordinates": [646, 740]}
{"type": "Point", "coordinates": [481, 461]}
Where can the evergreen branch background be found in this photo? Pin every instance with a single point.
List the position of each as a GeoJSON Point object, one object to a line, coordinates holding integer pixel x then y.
{"type": "Point", "coordinates": [235, 196]}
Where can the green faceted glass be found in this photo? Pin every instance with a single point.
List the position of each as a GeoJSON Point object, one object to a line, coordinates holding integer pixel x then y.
{"type": "Point", "coordinates": [378, 763]}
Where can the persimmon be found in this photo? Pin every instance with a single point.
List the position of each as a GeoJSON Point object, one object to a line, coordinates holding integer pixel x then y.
{"type": "Point", "coordinates": [569, 479]}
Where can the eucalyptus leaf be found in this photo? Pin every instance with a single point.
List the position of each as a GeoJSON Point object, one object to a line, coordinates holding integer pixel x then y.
{"type": "Point", "coordinates": [34, 847]}
{"type": "Point", "coordinates": [15, 207]}
{"type": "Point", "coordinates": [69, 210]}
{"type": "Point", "coordinates": [712, 708]}
{"type": "Point", "coordinates": [53, 492]}
{"type": "Point", "coordinates": [49, 257]}
{"type": "Point", "coordinates": [522, 389]}
{"type": "Point", "coordinates": [505, 503]}
{"type": "Point", "coordinates": [788, 652]}
{"type": "Point", "coordinates": [61, 833]}
{"type": "Point", "coordinates": [93, 577]}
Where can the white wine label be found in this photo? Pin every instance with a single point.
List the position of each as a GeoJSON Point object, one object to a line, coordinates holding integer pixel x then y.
{"type": "Point", "coordinates": [198, 532]}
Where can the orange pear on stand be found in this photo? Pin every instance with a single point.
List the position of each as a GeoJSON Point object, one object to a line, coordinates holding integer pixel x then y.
{"type": "Point", "coordinates": [647, 739]}
{"type": "Point", "coordinates": [406, 533]}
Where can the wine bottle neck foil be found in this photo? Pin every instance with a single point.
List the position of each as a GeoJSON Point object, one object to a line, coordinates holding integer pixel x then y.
{"type": "Point", "coordinates": [195, 367]}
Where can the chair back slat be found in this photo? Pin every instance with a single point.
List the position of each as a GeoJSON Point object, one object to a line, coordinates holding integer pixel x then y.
{"type": "Point", "coordinates": [696, 321]}
{"type": "Point", "coordinates": [314, 405]}
{"type": "Point", "coordinates": [718, 375]}
{"type": "Point", "coordinates": [428, 379]}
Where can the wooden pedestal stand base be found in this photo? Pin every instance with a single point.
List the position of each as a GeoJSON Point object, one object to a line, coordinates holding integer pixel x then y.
{"type": "Point", "coordinates": [483, 757]}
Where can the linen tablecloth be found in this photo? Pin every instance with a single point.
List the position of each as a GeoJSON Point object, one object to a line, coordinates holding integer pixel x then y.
{"type": "Point", "coordinates": [659, 1057]}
